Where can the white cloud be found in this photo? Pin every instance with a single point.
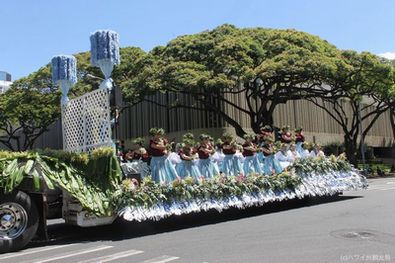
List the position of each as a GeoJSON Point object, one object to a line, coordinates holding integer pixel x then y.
{"type": "Point", "coordinates": [388, 55]}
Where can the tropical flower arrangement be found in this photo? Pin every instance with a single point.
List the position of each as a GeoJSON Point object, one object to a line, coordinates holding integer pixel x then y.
{"type": "Point", "coordinates": [322, 164]}
{"type": "Point", "coordinates": [220, 187]}
{"type": "Point", "coordinates": [95, 180]}
{"type": "Point", "coordinates": [307, 177]}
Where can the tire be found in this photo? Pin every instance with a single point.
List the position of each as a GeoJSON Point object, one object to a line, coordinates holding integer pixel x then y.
{"type": "Point", "coordinates": [18, 221]}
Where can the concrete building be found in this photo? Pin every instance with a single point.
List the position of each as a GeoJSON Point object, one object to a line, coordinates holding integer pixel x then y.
{"type": "Point", "coordinates": [5, 81]}
{"type": "Point", "coordinates": [136, 121]}
{"type": "Point", "coordinates": [318, 125]}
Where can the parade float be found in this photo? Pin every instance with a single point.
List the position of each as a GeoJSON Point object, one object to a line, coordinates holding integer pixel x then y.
{"type": "Point", "coordinates": [85, 185]}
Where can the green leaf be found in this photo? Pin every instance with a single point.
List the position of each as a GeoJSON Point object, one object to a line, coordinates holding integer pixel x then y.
{"type": "Point", "coordinates": [12, 166]}
{"type": "Point", "coordinates": [36, 179]}
{"type": "Point", "coordinates": [28, 166]}
{"type": "Point", "coordinates": [18, 175]}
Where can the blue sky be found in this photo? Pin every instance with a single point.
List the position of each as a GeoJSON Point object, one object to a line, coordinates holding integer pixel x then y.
{"type": "Point", "coordinates": [32, 31]}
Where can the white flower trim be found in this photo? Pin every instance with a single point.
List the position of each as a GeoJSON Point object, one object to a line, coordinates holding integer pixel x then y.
{"type": "Point", "coordinates": [313, 184]}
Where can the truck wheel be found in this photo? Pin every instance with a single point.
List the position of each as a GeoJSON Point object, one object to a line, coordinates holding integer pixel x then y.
{"type": "Point", "coordinates": [18, 221]}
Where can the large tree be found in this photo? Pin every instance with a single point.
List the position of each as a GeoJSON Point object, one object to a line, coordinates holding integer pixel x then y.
{"type": "Point", "coordinates": [355, 97]}
{"type": "Point", "coordinates": [266, 67]}
{"type": "Point", "coordinates": [26, 111]}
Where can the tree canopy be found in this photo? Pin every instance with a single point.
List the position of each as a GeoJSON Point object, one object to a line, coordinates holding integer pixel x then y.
{"type": "Point", "coordinates": [266, 67]}
{"type": "Point", "coordinates": [365, 83]}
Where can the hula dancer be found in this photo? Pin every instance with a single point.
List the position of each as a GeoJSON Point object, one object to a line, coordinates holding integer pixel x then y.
{"type": "Point", "coordinates": [141, 154]}
{"type": "Point", "coordinates": [266, 132]}
{"type": "Point", "coordinates": [293, 152]}
{"type": "Point", "coordinates": [162, 170]}
{"type": "Point", "coordinates": [173, 156]}
{"type": "Point", "coordinates": [271, 165]}
{"type": "Point", "coordinates": [129, 156]}
{"type": "Point", "coordinates": [251, 163]}
{"type": "Point", "coordinates": [207, 166]}
{"type": "Point", "coordinates": [305, 150]}
{"type": "Point", "coordinates": [284, 156]}
{"type": "Point", "coordinates": [299, 139]}
{"type": "Point", "coordinates": [188, 167]}
{"type": "Point", "coordinates": [286, 135]}
{"type": "Point", "coordinates": [316, 152]}
{"type": "Point", "coordinates": [260, 141]}
{"type": "Point", "coordinates": [231, 165]}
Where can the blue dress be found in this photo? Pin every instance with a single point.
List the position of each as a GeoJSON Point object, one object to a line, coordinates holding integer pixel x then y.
{"type": "Point", "coordinates": [162, 170]}
{"type": "Point", "coordinates": [252, 165]}
{"type": "Point", "coordinates": [231, 165]}
{"type": "Point", "coordinates": [215, 167]}
{"type": "Point", "coordinates": [188, 168]}
{"type": "Point", "coordinates": [260, 157]}
{"type": "Point", "coordinates": [207, 167]}
{"type": "Point", "coordinates": [217, 159]}
{"type": "Point", "coordinates": [271, 164]}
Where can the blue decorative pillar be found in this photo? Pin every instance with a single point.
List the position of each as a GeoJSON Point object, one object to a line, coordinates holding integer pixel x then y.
{"type": "Point", "coordinates": [64, 73]}
{"type": "Point", "coordinates": [105, 54]}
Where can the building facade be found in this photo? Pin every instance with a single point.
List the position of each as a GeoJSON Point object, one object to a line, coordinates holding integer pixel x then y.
{"type": "Point", "coordinates": [135, 121]}
{"type": "Point", "coordinates": [5, 81]}
{"type": "Point", "coordinates": [318, 125]}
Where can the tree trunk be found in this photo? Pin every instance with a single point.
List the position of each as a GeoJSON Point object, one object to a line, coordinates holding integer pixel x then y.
{"type": "Point", "coordinates": [266, 118]}
{"type": "Point", "coordinates": [350, 146]}
{"type": "Point", "coordinates": [256, 126]}
{"type": "Point", "coordinates": [392, 120]}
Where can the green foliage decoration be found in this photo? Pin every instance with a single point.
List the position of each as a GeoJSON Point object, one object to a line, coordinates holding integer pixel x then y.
{"type": "Point", "coordinates": [90, 179]}
{"type": "Point", "coordinates": [322, 165]}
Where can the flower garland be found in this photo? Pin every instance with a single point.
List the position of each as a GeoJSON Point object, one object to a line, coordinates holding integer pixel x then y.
{"type": "Point", "coordinates": [308, 177]}
{"type": "Point", "coordinates": [315, 185]}
{"type": "Point", "coordinates": [150, 193]}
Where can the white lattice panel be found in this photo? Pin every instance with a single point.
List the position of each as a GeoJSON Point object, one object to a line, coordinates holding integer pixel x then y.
{"type": "Point", "coordinates": [86, 122]}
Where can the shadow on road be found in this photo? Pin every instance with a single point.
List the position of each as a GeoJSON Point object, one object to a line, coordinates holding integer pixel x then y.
{"type": "Point", "coordinates": [120, 230]}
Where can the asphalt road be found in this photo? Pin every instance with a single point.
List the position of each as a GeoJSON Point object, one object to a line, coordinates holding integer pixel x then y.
{"type": "Point", "coordinates": [355, 227]}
